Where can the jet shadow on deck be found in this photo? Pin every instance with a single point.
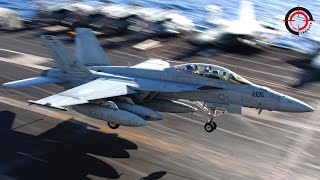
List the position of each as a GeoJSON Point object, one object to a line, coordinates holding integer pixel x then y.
{"type": "Point", "coordinates": [62, 152]}
{"type": "Point", "coordinates": [155, 175]}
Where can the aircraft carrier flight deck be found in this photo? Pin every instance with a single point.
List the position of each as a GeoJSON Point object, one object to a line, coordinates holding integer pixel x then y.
{"type": "Point", "coordinates": [43, 143]}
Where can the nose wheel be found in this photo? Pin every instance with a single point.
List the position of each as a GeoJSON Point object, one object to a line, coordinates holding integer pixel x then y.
{"type": "Point", "coordinates": [210, 126]}
{"type": "Point", "coordinates": [213, 112]}
{"type": "Point", "coordinates": [113, 125]}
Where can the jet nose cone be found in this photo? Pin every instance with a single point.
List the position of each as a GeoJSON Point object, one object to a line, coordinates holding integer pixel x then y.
{"type": "Point", "coordinates": [290, 104]}
{"type": "Point", "coordinates": [303, 107]}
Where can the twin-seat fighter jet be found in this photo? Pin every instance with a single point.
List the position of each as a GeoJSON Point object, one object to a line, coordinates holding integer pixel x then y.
{"type": "Point", "coordinates": [132, 95]}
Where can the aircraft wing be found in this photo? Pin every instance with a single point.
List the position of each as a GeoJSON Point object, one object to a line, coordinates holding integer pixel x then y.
{"type": "Point", "coordinates": [97, 89]}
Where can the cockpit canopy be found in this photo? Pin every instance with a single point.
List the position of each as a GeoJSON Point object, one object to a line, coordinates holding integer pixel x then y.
{"type": "Point", "coordinates": [211, 71]}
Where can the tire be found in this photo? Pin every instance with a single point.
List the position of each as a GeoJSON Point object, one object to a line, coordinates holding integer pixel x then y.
{"type": "Point", "coordinates": [214, 125]}
{"type": "Point", "coordinates": [113, 125]}
{"type": "Point", "coordinates": [209, 127]}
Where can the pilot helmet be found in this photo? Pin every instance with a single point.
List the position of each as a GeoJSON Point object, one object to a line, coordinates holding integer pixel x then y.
{"type": "Point", "coordinates": [194, 66]}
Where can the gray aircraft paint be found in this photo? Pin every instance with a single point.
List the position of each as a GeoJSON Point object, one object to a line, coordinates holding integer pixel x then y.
{"type": "Point", "coordinates": [143, 112]}
{"type": "Point", "coordinates": [111, 115]}
{"type": "Point", "coordinates": [146, 82]}
{"type": "Point", "coordinates": [163, 105]}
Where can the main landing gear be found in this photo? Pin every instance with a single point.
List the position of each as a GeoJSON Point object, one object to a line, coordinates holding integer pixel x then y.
{"type": "Point", "coordinates": [113, 125]}
{"type": "Point", "coordinates": [211, 125]}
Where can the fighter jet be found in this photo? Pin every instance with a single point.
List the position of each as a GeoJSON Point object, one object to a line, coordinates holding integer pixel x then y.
{"type": "Point", "coordinates": [246, 30]}
{"type": "Point", "coordinates": [132, 95]}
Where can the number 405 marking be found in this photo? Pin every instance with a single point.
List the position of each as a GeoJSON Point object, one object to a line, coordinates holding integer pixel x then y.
{"type": "Point", "coordinates": [257, 94]}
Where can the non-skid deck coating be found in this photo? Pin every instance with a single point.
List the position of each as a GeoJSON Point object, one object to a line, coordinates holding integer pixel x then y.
{"type": "Point", "coordinates": [40, 143]}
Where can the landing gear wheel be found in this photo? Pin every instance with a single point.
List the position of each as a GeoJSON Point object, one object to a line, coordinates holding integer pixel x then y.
{"type": "Point", "coordinates": [113, 125]}
{"type": "Point", "coordinates": [209, 127]}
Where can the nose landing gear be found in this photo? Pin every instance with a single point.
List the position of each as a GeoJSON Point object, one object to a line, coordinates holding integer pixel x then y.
{"type": "Point", "coordinates": [211, 125]}
{"type": "Point", "coordinates": [214, 110]}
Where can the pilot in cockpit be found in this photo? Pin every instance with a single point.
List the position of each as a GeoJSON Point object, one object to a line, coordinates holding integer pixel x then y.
{"type": "Point", "coordinates": [194, 67]}
{"type": "Point", "coordinates": [189, 67]}
{"type": "Point", "coordinates": [207, 70]}
{"type": "Point", "coordinates": [224, 75]}
{"type": "Point", "coordinates": [216, 74]}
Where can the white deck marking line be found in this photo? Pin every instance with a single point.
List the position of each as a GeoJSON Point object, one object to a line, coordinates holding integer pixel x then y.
{"type": "Point", "coordinates": [16, 52]}
{"type": "Point", "coordinates": [24, 49]}
{"type": "Point", "coordinates": [238, 135]}
{"type": "Point", "coordinates": [24, 64]}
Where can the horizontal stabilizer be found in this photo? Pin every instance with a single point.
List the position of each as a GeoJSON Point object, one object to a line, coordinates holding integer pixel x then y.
{"type": "Point", "coordinates": [33, 82]}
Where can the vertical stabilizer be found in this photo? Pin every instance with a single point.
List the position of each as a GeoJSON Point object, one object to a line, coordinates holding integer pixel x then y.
{"type": "Point", "coordinates": [88, 49]}
{"type": "Point", "coordinates": [247, 13]}
{"type": "Point", "coordinates": [63, 58]}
